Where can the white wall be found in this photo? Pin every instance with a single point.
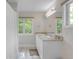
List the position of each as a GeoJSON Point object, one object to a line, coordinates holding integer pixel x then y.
{"type": "Point", "coordinates": [44, 24]}
{"type": "Point", "coordinates": [11, 33]}
{"type": "Point", "coordinates": [50, 24]}
{"type": "Point", "coordinates": [27, 41]}
{"type": "Point", "coordinates": [68, 43]}
{"type": "Point", "coordinates": [38, 23]}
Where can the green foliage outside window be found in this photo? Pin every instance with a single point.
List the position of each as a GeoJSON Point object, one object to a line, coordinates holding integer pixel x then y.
{"type": "Point", "coordinates": [24, 25]}
{"type": "Point", "coordinates": [28, 25]}
{"type": "Point", "coordinates": [59, 24]}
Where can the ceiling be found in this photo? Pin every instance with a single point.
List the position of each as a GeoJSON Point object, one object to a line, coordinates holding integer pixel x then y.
{"type": "Point", "coordinates": [12, 0]}
{"type": "Point", "coordinates": [13, 3]}
{"type": "Point", "coordinates": [35, 5]}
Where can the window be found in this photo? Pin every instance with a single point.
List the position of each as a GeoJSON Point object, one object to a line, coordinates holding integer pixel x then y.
{"type": "Point", "coordinates": [28, 25]}
{"type": "Point", "coordinates": [20, 25]}
{"type": "Point", "coordinates": [24, 25]}
{"type": "Point", "coordinates": [59, 24]}
{"type": "Point", "coordinates": [69, 13]}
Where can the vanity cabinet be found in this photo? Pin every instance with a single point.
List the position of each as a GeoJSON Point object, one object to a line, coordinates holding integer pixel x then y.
{"type": "Point", "coordinates": [48, 48]}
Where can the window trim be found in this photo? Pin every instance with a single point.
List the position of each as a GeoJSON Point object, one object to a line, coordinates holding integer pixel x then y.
{"type": "Point", "coordinates": [65, 14]}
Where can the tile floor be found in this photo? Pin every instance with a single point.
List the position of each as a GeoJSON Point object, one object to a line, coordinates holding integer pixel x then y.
{"type": "Point", "coordinates": [25, 54]}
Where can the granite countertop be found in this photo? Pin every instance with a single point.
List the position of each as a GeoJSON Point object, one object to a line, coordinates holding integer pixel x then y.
{"type": "Point", "coordinates": [53, 38]}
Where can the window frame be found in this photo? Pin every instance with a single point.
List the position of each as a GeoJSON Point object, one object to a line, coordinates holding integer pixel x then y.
{"type": "Point", "coordinates": [65, 16]}
{"type": "Point", "coordinates": [24, 26]}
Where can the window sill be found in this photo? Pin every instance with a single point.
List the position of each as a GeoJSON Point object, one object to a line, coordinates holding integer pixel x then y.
{"type": "Point", "coordinates": [25, 33]}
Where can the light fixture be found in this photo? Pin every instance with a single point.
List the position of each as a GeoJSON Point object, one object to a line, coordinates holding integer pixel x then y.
{"type": "Point", "coordinates": [50, 12]}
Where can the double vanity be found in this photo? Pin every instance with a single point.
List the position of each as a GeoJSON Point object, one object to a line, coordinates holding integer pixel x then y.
{"type": "Point", "coordinates": [48, 47]}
